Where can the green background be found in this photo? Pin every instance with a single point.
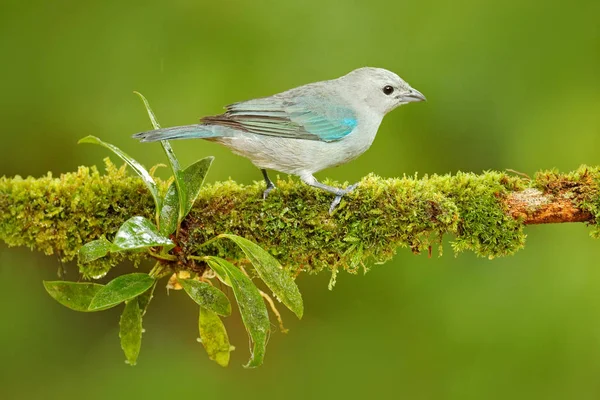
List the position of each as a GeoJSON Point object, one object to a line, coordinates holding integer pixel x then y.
{"type": "Point", "coordinates": [511, 84]}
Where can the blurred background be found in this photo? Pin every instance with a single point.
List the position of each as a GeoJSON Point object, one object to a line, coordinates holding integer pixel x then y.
{"type": "Point", "coordinates": [511, 84]}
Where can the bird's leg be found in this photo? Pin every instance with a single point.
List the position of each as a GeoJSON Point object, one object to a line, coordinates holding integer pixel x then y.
{"type": "Point", "coordinates": [312, 181]}
{"type": "Point", "coordinates": [270, 185]}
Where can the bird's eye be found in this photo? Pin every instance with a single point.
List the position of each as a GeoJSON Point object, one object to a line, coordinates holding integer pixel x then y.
{"type": "Point", "coordinates": [387, 90]}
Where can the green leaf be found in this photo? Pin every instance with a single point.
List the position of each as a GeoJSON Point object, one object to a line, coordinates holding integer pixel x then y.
{"type": "Point", "coordinates": [120, 289]}
{"type": "Point", "coordinates": [74, 295]}
{"type": "Point", "coordinates": [148, 110]}
{"type": "Point", "coordinates": [189, 183]}
{"type": "Point", "coordinates": [214, 337]}
{"type": "Point", "coordinates": [169, 214]}
{"type": "Point", "coordinates": [252, 308]}
{"type": "Point", "coordinates": [272, 273]}
{"type": "Point", "coordinates": [180, 188]}
{"type": "Point", "coordinates": [207, 296]}
{"type": "Point", "coordinates": [176, 201]}
{"type": "Point", "coordinates": [179, 183]}
{"type": "Point", "coordinates": [137, 167]}
{"type": "Point", "coordinates": [220, 272]}
{"type": "Point", "coordinates": [94, 250]}
{"type": "Point", "coordinates": [193, 177]}
{"type": "Point", "coordinates": [139, 233]}
{"type": "Point", "coordinates": [130, 331]}
{"type": "Point", "coordinates": [184, 190]}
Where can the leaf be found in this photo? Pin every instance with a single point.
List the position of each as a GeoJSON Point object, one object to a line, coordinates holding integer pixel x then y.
{"type": "Point", "coordinates": [220, 272]}
{"type": "Point", "coordinates": [214, 337]}
{"type": "Point", "coordinates": [130, 331]}
{"type": "Point", "coordinates": [94, 250]}
{"type": "Point", "coordinates": [252, 308]}
{"type": "Point", "coordinates": [272, 273]}
{"type": "Point", "coordinates": [169, 214]}
{"type": "Point", "coordinates": [189, 183]}
{"type": "Point", "coordinates": [177, 201]}
{"type": "Point", "coordinates": [193, 176]}
{"type": "Point", "coordinates": [178, 195]}
{"type": "Point", "coordinates": [139, 233]}
{"type": "Point", "coordinates": [180, 188]}
{"type": "Point", "coordinates": [183, 192]}
{"type": "Point", "coordinates": [151, 115]}
{"type": "Point", "coordinates": [74, 295]}
{"type": "Point", "coordinates": [207, 296]}
{"type": "Point", "coordinates": [120, 289]}
{"type": "Point", "coordinates": [137, 167]}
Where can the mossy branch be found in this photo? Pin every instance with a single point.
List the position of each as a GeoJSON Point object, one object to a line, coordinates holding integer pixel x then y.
{"type": "Point", "coordinates": [484, 213]}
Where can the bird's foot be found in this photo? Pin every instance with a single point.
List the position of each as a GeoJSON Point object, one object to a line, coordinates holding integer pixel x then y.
{"type": "Point", "coordinates": [268, 190]}
{"type": "Point", "coordinates": [339, 195]}
{"type": "Point", "coordinates": [270, 185]}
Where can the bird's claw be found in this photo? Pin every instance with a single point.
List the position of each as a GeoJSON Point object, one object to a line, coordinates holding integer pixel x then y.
{"type": "Point", "coordinates": [338, 197]}
{"type": "Point", "coordinates": [267, 191]}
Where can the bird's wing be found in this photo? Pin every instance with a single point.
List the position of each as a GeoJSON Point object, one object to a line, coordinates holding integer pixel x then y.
{"type": "Point", "coordinates": [300, 118]}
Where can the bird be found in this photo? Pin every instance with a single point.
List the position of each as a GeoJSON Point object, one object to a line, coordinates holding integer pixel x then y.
{"type": "Point", "coordinates": [306, 129]}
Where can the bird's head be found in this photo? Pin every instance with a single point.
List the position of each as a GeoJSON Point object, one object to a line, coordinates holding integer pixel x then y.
{"type": "Point", "coordinates": [380, 89]}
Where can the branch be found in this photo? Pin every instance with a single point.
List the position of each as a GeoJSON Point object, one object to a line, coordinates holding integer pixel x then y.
{"type": "Point", "coordinates": [536, 207]}
{"type": "Point", "coordinates": [484, 213]}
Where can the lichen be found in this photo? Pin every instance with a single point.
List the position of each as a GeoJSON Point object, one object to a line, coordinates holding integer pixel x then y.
{"type": "Point", "coordinates": [59, 215]}
{"type": "Point", "coordinates": [581, 186]}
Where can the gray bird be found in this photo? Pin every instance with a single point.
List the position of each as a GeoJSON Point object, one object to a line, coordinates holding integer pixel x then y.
{"type": "Point", "coordinates": [304, 130]}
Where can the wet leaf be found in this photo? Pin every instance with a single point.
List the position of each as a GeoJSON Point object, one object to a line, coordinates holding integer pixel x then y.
{"type": "Point", "coordinates": [193, 177]}
{"type": "Point", "coordinates": [176, 202]}
{"type": "Point", "coordinates": [183, 191]}
{"type": "Point", "coordinates": [120, 289]}
{"type": "Point", "coordinates": [178, 198]}
{"type": "Point", "coordinates": [137, 167]}
{"type": "Point", "coordinates": [272, 273]}
{"type": "Point", "coordinates": [220, 272]}
{"type": "Point", "coordinates": [176, 208]}
{"type": "Point", "coordinates": [207, 296]}
{"type": "Point", "coordinates": [74, 295]}
{"type": "Point", "coordinates": [252, 308]}
{"type": "Point", "coordinates": [169, 214]}
{"type": "Point", "coordinates": [214, 337]}
{"type": "Point", "coordinates": [180, 188]}
{"type": "Point", "coordinates": [151, 115]}
{"type": "Point", "coordinates": [94, 250]}
{"type": "Point", "coordinates": [130, 331]}
{"type": "Point", "coordinates": [139, 233]}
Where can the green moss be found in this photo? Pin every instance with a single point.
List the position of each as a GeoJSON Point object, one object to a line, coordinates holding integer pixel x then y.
{"type": "Point", "coordinates": [376, 219]}
{"type": "Point", "coordinates": [59, 215]}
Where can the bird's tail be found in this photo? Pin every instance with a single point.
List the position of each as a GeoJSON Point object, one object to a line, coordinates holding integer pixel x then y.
{"type": "Point", "coordinates": [178, 132]}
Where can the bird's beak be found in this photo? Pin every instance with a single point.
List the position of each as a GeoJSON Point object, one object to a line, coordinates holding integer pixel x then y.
{"type": "Point", "coordinates": [412, 96]}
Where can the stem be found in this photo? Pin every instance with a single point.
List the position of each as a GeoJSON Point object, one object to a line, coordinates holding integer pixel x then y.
{"type": "Point", "coordinates": [164, 257]}
{"type": "Point", "coordinates": [275, 311]}
{"type": "Point", "coordinates": [198, 258]}
{"type": "Point", "coordinates": [159, 271]}
{"type": "Point", "coordinates": [209, 241]}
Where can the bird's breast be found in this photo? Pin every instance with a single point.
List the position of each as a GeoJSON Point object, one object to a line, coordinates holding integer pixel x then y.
{"type": "Point", "coordinates": [361, 137]}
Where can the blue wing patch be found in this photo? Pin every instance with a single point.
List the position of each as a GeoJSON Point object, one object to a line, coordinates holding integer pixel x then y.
{"type": "Point", "coordinates": [301, 118]}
